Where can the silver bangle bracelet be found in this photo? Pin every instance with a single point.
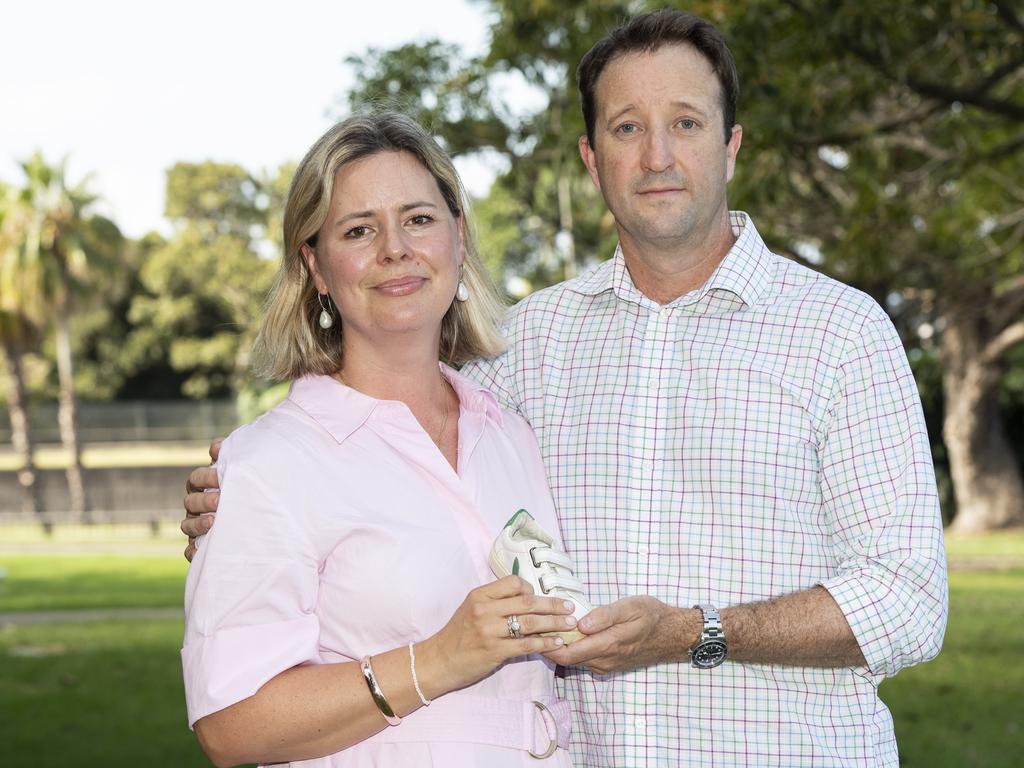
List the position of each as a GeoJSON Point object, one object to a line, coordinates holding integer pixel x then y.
{"type": "Point", "coordinates": [377, 693]}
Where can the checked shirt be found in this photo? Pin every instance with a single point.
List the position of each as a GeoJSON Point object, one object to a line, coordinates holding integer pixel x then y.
{"type": "Point", "coordinates": [760, 435]}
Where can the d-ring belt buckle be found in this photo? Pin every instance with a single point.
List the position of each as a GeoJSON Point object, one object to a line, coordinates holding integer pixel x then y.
{"type": "Point", "coordinates": [554, 742]}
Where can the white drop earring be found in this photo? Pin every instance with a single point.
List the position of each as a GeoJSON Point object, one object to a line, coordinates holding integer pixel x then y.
{"type": "Point", "coordinates": [326, 319]}
{"type": "Point", "coordinates": [462, 292]}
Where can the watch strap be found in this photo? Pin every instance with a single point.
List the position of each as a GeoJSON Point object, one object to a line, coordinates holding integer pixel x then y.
{"type": "Point", "coordinates": [712, 629]}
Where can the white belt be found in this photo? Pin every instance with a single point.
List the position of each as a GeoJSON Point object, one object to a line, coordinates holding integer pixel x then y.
{"type": "Point", "coordinates": [539, 727]}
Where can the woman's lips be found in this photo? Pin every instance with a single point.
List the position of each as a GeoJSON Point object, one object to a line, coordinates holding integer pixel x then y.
{"type": "Point", "coordinates": [401, 286]}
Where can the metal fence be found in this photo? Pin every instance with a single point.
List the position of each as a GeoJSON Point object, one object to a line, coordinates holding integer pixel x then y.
{"type": "Point", "coordinates": [134, 421]}
{"type": "Point", "coordinates": [125, 493]}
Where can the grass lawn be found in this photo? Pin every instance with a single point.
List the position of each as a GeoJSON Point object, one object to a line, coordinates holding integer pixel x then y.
{"type": "Point", "coordinates": [94, 694]}
{"type": "Point", "coordinates": [58, 582]}
{"type": "Point", "coordinates": [110, 693]}
{"type": "Point", "coordinates": [965, 708]}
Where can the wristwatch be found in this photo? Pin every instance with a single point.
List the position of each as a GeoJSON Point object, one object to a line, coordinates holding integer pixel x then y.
{"type": "Point", "coordinates": [710, 650]}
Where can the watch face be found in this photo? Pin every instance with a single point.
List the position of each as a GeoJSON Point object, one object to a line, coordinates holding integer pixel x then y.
{"type": "Point", "coordinates": [709, 654]}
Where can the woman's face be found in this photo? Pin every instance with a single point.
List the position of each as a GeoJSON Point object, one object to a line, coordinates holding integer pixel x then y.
{"type": "Point", "coordinates": [389, 251]}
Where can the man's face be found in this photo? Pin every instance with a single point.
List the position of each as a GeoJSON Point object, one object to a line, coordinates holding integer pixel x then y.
{"type": "Point", "coordinates": [659, 157]}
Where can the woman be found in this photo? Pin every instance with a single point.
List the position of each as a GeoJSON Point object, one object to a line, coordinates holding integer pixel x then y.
{"type": "Point", "coordinates": [372, 632]}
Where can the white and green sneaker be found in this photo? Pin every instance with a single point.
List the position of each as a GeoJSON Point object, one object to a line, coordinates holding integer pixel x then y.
{"type": "Point", "coordinates": [525, 549]}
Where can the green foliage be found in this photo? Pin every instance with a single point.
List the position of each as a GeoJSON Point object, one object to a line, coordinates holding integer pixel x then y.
{"type": "Point", "coordinates": [201, 291]}
{"type": "Point", "coordinates": [55, 253]}
{"type": "Point", "coordinates": [886, 142]}
{"type": "Point", "coordinates": [52, 239]}
{"type": "Point", "coordinates": [214, 198]}
{"type": "Point", "coordinates": [435, 84]}
{"type": "Point", "coordinates": [890, 140]}
{"type": "Point", "coordinates": [258, 398]}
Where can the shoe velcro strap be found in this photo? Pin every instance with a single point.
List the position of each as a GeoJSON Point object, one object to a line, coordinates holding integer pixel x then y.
{"type": "Point", "coordinates": [550, 581]}
{"type": "Point", "coordinates": [547, 555]}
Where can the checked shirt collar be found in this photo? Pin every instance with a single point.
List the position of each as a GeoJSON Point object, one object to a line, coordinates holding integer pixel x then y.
{"type": "Point", "coordinates": [744, 273]}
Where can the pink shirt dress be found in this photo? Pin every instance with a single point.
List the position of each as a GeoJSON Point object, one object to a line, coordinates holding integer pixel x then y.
{"type": "Point", "coordinates": [342, 531]}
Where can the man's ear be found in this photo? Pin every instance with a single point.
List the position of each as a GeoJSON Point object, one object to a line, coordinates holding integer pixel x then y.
{"type": "Point", "coordinates": [732, 149]}
{"type": "Point", "coordinates": [309, 255]}
{"type": "Point", "coordinates": [590, 160]}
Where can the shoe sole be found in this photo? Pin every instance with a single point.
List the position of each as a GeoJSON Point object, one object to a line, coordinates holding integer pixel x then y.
{"type": "Point", "coordinates": [569, 636]}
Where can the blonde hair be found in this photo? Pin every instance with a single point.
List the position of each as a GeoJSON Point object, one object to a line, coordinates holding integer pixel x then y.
{"type": "Point", "coordinates": [291, 342]}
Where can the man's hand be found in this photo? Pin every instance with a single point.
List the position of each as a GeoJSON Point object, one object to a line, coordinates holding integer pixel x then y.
{"type": "Point", "coordinates": [200, 506]}
{"type": "Point", "coordinates": [630, 633]}
{"type": "Point", "coordinates": [803, 629]}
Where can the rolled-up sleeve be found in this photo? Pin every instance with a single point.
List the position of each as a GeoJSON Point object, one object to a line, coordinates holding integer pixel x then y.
{"type": "Point", "coordinates": [878, 483]}
{"type": "Point", "coordinates": [252, 587]}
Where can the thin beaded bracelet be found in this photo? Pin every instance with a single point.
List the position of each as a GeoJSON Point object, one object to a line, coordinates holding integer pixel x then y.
{"type": "Point", "coordinates": [416, 680]}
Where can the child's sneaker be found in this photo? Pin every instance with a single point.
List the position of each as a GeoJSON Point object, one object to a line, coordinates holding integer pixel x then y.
{"type": "Point", "coordinates": [525, 549]}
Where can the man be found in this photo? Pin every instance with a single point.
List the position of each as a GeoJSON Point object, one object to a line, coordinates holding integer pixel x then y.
{"type": "Point", "coordinates": [721, 428]}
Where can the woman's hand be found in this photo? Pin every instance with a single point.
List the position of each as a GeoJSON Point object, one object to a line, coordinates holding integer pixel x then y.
{"type": "Point", "coordinates": [476, 640]}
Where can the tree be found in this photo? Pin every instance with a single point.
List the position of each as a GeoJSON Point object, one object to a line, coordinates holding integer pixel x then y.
{"type": "Point", "coordinates": [203, 288]}
{"type": "Point", "coordinates": [59, 243]}
{"type": "Point", "coordinates": [889, 144]}
{"type": "Point", "coordinates": [18, 333]}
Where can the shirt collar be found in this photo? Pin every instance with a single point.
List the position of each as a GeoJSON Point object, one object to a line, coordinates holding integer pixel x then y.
{"type": "Point", "coordinates": [745, 271]}
{"type": "Point", "coordinates": [473, 397]}
{"type": "Point", "coordinates": [342, 410]}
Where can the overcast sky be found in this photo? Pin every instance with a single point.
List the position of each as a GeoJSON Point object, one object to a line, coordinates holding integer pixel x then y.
{"type": "Point", "coordinates": [126, 89]}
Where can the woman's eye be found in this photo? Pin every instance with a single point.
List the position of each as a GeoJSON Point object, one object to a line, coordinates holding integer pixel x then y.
{"type": "Point", "coordinates": [421, 218]}
{"type": "Point", "coordinates": [357, 232]}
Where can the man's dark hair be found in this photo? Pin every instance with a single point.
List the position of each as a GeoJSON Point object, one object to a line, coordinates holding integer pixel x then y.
{"type": "Point", "coordinates": [646, 34]}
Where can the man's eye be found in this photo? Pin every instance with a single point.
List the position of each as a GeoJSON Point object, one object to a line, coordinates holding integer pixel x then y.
{"type": "Point", "coordinates": [627, 128]}
{"type": "Point", "coordinates": [687, 124]}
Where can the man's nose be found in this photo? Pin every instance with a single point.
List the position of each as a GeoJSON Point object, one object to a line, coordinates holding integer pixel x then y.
{"type": "Point", "coordinates": [657, 151]}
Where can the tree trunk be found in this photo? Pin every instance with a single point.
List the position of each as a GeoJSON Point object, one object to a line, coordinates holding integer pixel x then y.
{"type": "Point", "coordinates": [68, 416]}
{"type": "Point", "coordinates": [987, 481]}
{"type": "Point", "coordinates": [21, 433]}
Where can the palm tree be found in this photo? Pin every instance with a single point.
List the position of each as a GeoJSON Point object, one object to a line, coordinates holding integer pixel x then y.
{"type": "Point", "coordinates": [61, 242]}
{"type": "Point", "coordinates": [15, 334]}
{"type": "Point", "coordinates": [18, 333]}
